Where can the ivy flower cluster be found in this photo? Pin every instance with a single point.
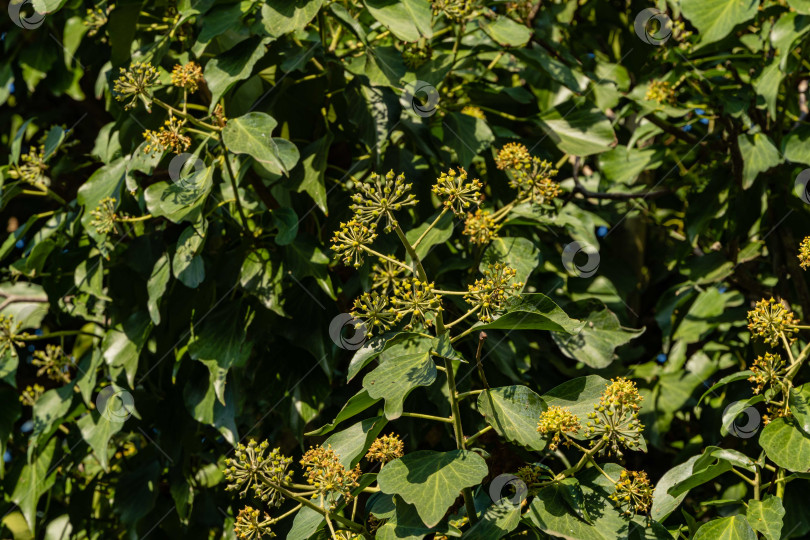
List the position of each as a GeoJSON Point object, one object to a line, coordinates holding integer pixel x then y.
{"type": "Point", "coordinates": [530, 176]}
{"type": "Point", "coordinates": [33, 167]}
{"type": "Point", "coordinates": [457, 193]}
{"type": "Point", "coordinates": [766, 371]}
{"type": "Point", "coordinates": [615, 417]}
{"type": "Point", "coordinates": [480, 227]}
{"type": "Point", "coordinates": [457, 10]}
{"type": "Point", "coordinates": [375, 313]}
{"type": "Point", "coordinates": [416, 54]}
{"type": "Point", "coordinates": [351, 239]}
{"type": "Point", "coordinates": [327, 474]}
{"type": "Point", "coordinates": [9, 335]}
{"type": "Point", "coordinates": [54, 363]}
{"type": "Point", "coordinates": [804, 253]}
{"type": "Point", "coordinates": [633, 492]}
{"type": "Point", "coordinates": [187, 76]}
{"type": "Point", "coordinates": [251, 468]}
{"type": "Point", "coordinates": [557, 421]}
{"type": "Point", "coordinates": [250, 526]}
{"type": "Point", "coordinates": [533, 476]}
{"type": "Point", "coordinates": [417, 299]}
{"type": "Point", "coordinates": [770, 320]}
{"type": "Point", "coordinates": [490, 293]}
{"type": "Point", "coordinates": [104, 216]}
{"type": "Point", "coordinates": [386, 448]}
{"type": "Point", "coordinates": [661, 92]}
{"type": "Point", "coordinates": [386, 274]}
{"type": "Point", "coordinates": [135, 84]}
{"type": "Point", "coordinates": [473, 111]}
{"type": "Point", "coordinates": [31, 394]}
{"type": "Point", "coordinates": [168, 137]}
{"type": "Point", "coordinates": [380, 197]}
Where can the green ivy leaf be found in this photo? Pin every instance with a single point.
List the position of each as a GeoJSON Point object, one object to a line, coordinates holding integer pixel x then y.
{"type": "Point", "coordinates": [156, 287]}
{"type": "Point", "coordinates": [715, 19]}
{"type": "Point", "coordinates": [356, 404]}
{"type": "Point", "coordinates": [36, 478]}
{"type": "Point", "coordinates": [602, 333]}
{"type": "Point", "coordinates": [97, 430]}
{"type": "Point", "coordinates": [236, 64]}
{"type": "Point", "coordinates": [432, 481]}
{"type": "Point", "coordinates": [760, 155]}
{"type": "Point", "coordinates": [514, 412]}
{"type": "Point", "coordinates": [534, 312]}
{"type": "Point", "coordinates": [765, 516]}
{"type": "Point", "coordinates": [281, 17]}
{"type": "Point", "coordinates": [409, 20]}
{"type": "Point", "coordinates": [505, 31]}
{"type": "Point", "coordinates": [581, 132]}
{"type": "Point", "coordinates": [250, 134]}
{"type": "Point", "coordinates": [799, 402]}
{"type": "Point", "coordinates": [578, 395]}
{"type": "Point", "coordinates": [403, 367]}
{"type": "Point", "coordinates": [729, 528]}
{"type": "Point", "coordinates": [786, 445]}
{"type": "Point", "coordinates": [352, 443]}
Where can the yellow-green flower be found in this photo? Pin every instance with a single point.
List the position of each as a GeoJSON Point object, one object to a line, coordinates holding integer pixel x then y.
{"type": "Point", "coordinates": [615, 417]}
{"type": "Point", "coordinates": [473, 111]}
{"type": "Point", "coordinates": [374, 312]}
{"type": "Point", "coordinates": [187, 76]}
{"type": "Point", "coordinates": [104, 216]}
{"type": "Point", "coordinates": [770, 320]}
{"type": "Point", "coordinates": [385, 275]}
{"type": "Point", "coordinates": [661, 92]}
{"type": "Point", "coordinates": [380, 197]}
{"type": "Point", "coordinates": [490, 293]}
{"type": "Point", "coordinates": [54, 363]}
{"type": "Point", "coordinates": [386, 448]}
{"type": "Point", "coordinates": [136, 83]}
{"type": "Point", "coordinates": [31, 394]}
{"type": "Point", "coordinates": [534, 181]}
{"type": "Point", "coordinates": [766, 371]}
{"type": "Point", "coordinates": [557, 421]}
{"type": "Point", "coordinates": [480, 227]}
{"type": "Point", "coordinates": [9, 335]}
{"type": "Point", "coordinates": [251, 468]}
{"type": "Point", "coordinates": [804, 253]}
{"type": "Point", "coordinates": [349, 241]}
{"type": "Point", "coordinates": [456, 193]}
{"type": "Point", "coordinates": [416, 54]}
{"type": "Point", "coordinates": [327, 475]}
{"type": "Point", "coordinates": [168, 137]}
{"type": "Point", "coordinates": [417, 299]}
{"type": "Point", "coordinates": [513, 156]}
{"type": "Point", "coordinates": [248, 526]}
{"type": "Point", "coordinates": [633, 492]}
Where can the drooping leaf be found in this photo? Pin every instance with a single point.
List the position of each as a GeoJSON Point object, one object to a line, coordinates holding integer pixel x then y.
{"type": "Point", "coordinates": [514, 412]}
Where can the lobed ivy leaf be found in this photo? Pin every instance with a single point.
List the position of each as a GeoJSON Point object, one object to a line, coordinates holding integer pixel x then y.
{"type": "Point", "coordinates": [786, 445]}
{"type": "Point", "coordinates": [431, 481]}
{"type": "Point", "coordinates": [728, 528]}
{"type": "Point", "coordinates": [513, 411]}
{"type": "Point", "coordinates": [534, 311]}
{"type": "Point", "coordinates": [765, 516]}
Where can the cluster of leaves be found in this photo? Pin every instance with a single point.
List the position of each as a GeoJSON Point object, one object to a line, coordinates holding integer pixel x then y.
{"type": "Point", "coordinates": [194, 191]}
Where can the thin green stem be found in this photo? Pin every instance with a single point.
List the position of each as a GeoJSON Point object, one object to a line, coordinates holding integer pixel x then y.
{"type": "Point", "coordinates": [387, 258]}
{"type": "Point", "coordinates": [426, 231]}
{"type": "Point", "coordinates": [471, 438]}
{"type": "Point", "coordinates": [471, 393]}
{"type": "Point", "coordinates": [60, 333]}
{"type": "Point", "coordinates": [428, 417]}
{"type": "Point", "coordinates": [309, 504]}
{"type": "Point", "coordinates": [233, 185]}
{"type": "Point", "coordinates": [741, 475]}
{"type": "Point", "coordinates": [458, 430]}
{"type": "Point", "coordinates": [470, 312]}
{"type": "Point", "coordinates": [186, 116]}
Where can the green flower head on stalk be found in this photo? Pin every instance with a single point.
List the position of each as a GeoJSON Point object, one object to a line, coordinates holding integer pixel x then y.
{"type": "Point", "coordinates": [168, 137]}
{"type": "Point", "coordinates": [513, 156]}
{"type": "Point", "coordinates": [9, 335]}
{"type": "Point", "coordinates": [327, 475]}
{"type": "Point", "coordinates": [534, 182]}
{"type": "Point", "coordinates": [249, 527]}
{"type": "Point", "coordinates": [380, 197]}
{"type": "Point", "coordinates": [415, 54]}
{"type": "Point", "coordinates": [491, 292]}
{"type": "Point", "coordinates": [457, 10]}
{"type": "Point", "coordinates": [386, 448]}
{"type": "Point", "coordinates": [480, 227]}
{"type": "Point", "coordinates": [533, 475]}
{"type": "Point", "coordinates": [766, 371]}
{"type": "Point", "coordinates": [187, 76]}
{"type": "Point", "coordinates": [136, 83]}
{"type": "Point", "coordinates": [33, 167]}
{"type": "Point", "coordinates": [417, 299]}
{"type": "Point", "coordinates": [633, 492]}
{"type": "Point", "coordinates": [349, 240]}
{"type": "Point", "coordinates": [473, 111]}
{"type": "Point", "coordinates": [804, 253]}
{"type": "Point", "coordinates": [615, 417]}
{"type": "Point", "coordinates": [458, 194]}
{"type": "Point", "coordinates": [104, 216]}
{"type": "Point", "coordinates": [557, 421]}
{"type": "Point", "coordinates": [250, 468]}
{"type": "Point", "coordinates": [385, 275]}
{"type": "Point", "coordinates": [374, 312]}
{"type": "Point", "coordinates": [31, 394]}
{"type": "Point", "coordinates": [54, 363]}
{"type": "Point", "coordinates": [770, 320]}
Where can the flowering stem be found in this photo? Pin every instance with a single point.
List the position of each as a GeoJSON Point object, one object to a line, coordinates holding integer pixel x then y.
{"type": "Point", "coordinates": [741, 475]}
{"type": "Point", "coordinates": [435, 221]}
{"type": "Point", "coordinates": [286, 514]}
{"type": "Point", "coordinates": [440, 291]}
{"type": "Point", "coordinates": [471, 438]}
{"type": "Point", "coordinates": [459, 433]}
{"type": "Point", "coordinates": [787, 346]}
{"type": "Point", "coordinates": [500, 214]}
{"type": "Point", "coordinates": [309, 504]}
{"type": "Point", "coordinates": [60, 333]}
{"type": "Point", "coordinates": [471, 393]}
{"type": "Point", "coordinates": [386, 258]}
{"type": "Point", "coordinates": [185, 116]}
{"type": "Point", "coordinates": [465, 333]}
{"type": "Point", "coordinates": [470, 312]}
{"type": "Point", "coordinates": [133, 219]}
{"type": "Point", "coordinates": [428, 417]}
